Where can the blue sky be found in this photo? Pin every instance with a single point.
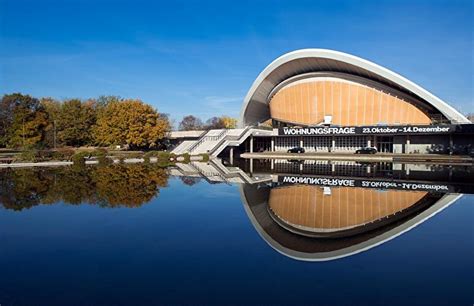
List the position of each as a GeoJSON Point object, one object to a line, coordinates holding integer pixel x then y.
{"type": "Point", "coordinates": [201, 57]}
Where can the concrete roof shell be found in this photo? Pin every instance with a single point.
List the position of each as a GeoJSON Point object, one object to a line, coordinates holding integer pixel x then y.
{"type": "Point", "coordinates": [255, 108]}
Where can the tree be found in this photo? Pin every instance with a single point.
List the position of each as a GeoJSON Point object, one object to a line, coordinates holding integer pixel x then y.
{"type": "Point", "coordinates": [470, 117]}
{"type": "Point", "coordinates": [223, 122]}
{"type": "Point", "coordinates": [190, 123]}
{"type": "Point", "coordinates": [214, 123]}
{"type": "Point", "coordinates": [228, 122]}
{"type": "Point", "coordinates": [23, 121]}
{"type": "Point", "coordinates": [103, 101]}
{"type": "Point", "coordinates": [75, 122]}
{"type": "Point", "coordinates": [130, 122]}
{"type": "Point", "coordinates": [52, 108]}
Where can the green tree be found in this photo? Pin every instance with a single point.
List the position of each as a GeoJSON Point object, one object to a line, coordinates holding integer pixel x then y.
{"type": "Point", "coordinates": [132, 123]}
{"type": "Point", "coordinates": [23, 120]}
{"type": "Point", "coordinates": [53, 109]}
{"type": "Point", "coordinates": [75, 122]}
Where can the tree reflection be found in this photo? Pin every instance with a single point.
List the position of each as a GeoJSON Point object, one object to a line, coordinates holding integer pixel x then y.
{"type": "Point", "coordinates": [190, 180]}
{"type": "Point", "coordinates": [119, 185]}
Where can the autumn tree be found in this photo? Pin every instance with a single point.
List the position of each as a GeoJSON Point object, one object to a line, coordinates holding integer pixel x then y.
{"type": "Point", "coordinates": [103, 101]}
{"type": "Point", "coordinates": [228, 122]}
{"type": "Point", "coordinates": [53, 109]}
{"type": "Point", "coordinates": [23, 120]}
{"type": "Point", "coordinates": [75, 122]}
{"type": "Point", "coordinates": [130, 122]}
{"type": "Point", "coordinates": [214, 123]}
{"type": "Point", "coordinates": [190, 123]}
{"type": "Point", "coordinates": [223, 122]}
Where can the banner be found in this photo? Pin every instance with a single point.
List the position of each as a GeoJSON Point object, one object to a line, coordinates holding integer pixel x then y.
{"type": "Point", "coordinates": [373, 183]}
{"type": "Point", "coordinates": [366, 130]}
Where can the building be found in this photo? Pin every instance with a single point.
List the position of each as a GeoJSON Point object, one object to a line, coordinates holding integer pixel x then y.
{"type": "Point", "coordinates": [329, 101]}
{"type": "Point", "coordinates": [325, 100]}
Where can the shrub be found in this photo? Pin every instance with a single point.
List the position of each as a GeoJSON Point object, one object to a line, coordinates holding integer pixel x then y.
{"type": "Point", "coordinates": [147, 156]}
{"type": "Point", "coordinates": [205, 157]}
{"type": "Point", "coordinates": [43, 155]}
{"type": "Point", "coordinates": [79, 158]}
{"type": "Point", "coordinates": [187, 157]}
{"type": "Point", "coordinates": [99, 152]}
{"type": "Point", "coordinates": [28, 156]}
{"type": "Point", "coordinates": [163, 155]}
{"type": "Point", "coordinates": [101, 155]}
{"type": "Point", "coordinates": [62, 154]}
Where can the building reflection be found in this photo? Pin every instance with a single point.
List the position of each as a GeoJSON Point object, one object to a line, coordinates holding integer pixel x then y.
{"type": "Point", "coordinates": [329, 212]}
{"type": "Point", "coordinates": [317, 223]}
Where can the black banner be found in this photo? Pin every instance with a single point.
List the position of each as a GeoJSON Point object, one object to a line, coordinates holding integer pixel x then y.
{"type": "Point", "coordinates": [366, 130]}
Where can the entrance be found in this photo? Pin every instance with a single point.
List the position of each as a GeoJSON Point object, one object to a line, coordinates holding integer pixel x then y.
{"type": "Point", "coordinates": [385, 144]}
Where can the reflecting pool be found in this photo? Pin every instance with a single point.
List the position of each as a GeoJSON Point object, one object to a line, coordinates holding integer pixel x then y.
{"type": "Point", "coordinates": [262, 232]}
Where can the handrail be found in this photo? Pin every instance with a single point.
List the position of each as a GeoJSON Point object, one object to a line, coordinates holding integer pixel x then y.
{"type": "Point", "coordinates": [218, 145]}
{"type": "Point", "coordinates": [204, 138]}
{"type": "Point", "coordinates": [194, 145]}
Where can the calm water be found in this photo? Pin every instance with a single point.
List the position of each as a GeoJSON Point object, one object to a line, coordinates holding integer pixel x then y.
{"type": "Point", "coordinates": [140, 234]}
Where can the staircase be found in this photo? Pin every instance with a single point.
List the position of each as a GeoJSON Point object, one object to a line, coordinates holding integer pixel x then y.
{"type": "Point", "coordinates": [207, 142]}
{"type": "Point", "coordinates": [183, 147]}
{"type": "Point", "coordinates": [215, 141]}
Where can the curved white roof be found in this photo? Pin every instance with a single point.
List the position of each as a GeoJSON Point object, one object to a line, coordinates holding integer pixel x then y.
{"type": "Point", "coordinates": [255, 108]}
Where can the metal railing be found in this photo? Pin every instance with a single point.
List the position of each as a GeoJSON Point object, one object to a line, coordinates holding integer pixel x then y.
{"type": "Point", "coordinates": [207, 138]}
{"type": "Point", "coordinates": [232, 138]}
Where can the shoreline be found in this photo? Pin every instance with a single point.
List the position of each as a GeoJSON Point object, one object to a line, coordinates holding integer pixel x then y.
{"type": "Point", "coordinates": [92, 162]}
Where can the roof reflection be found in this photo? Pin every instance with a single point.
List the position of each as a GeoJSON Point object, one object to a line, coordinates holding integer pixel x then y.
{"type": "Point", "coordinates": [325, 211]}
{"type": "Point", "coordinates": [318, 223]}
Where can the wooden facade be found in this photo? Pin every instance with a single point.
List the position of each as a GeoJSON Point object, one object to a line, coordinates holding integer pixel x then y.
{"type": "Point", "coordinates": [349, 103]}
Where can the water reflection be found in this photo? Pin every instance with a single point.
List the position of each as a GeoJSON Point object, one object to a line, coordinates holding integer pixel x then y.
{"type": "Point", "coordinates": [120, 185]}
{"type": "Point", "coordinates": [324, 210]}
{"type": "Point", "coordinates": [323, 223]}
{"type": "Point", "coordinates": [307, 210]}
{"type": "Point", "coordinates": [337, 212]}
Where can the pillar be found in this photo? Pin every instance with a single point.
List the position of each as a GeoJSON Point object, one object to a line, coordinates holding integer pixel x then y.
{"type": "Point", "coordinates": [231, 155]}
{"type": "Point", "coordinates": [301, 142]}
{"type": "Point", "coordinates": [251, 144]}
{"type": "Point", "coordinates": [450, 144]}
{"type": "Point", "coordinates": [273, 144]}
{"type": "Point", "coordinates": [251, 165]}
